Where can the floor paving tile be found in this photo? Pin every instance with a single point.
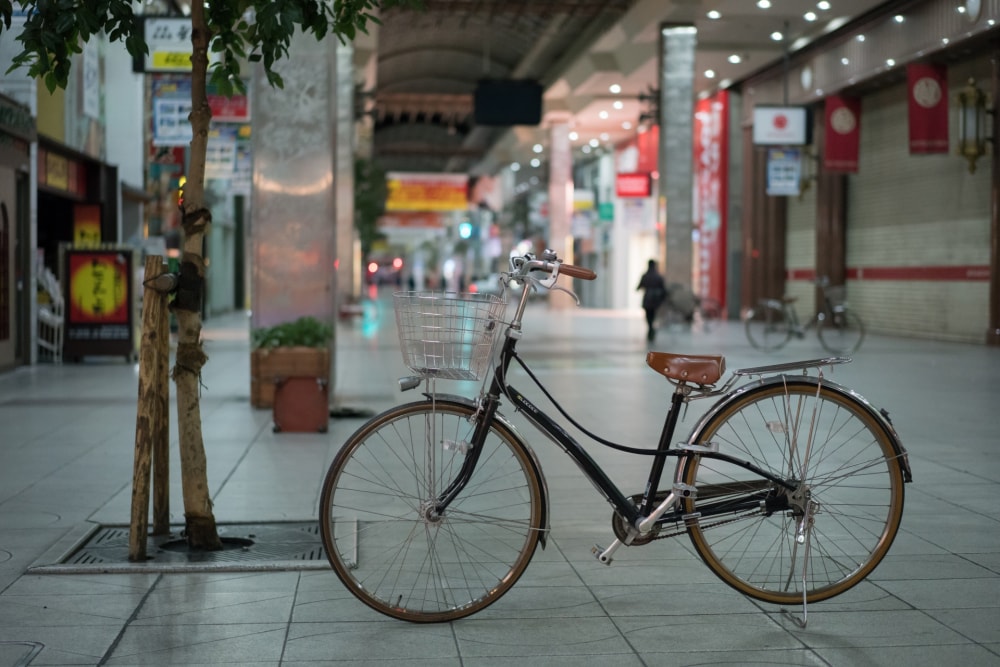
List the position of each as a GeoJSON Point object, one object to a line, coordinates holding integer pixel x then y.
{"type": "Point", "coordinates": [66, 449]}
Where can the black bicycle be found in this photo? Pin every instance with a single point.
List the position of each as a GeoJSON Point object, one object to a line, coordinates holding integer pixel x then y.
{"type": "Point", "coordinates": [790, 486]}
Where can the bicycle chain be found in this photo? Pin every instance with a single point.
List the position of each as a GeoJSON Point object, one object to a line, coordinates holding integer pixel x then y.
{"type": "Point", "coordinates": [702, 526]}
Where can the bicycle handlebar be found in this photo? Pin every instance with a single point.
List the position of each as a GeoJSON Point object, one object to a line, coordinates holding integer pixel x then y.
{"type": "Point", "coordinates": [528, 263]}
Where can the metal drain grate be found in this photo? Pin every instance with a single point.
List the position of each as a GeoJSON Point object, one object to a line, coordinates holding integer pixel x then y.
{"type": "Point", "coordinates": [259, 546]}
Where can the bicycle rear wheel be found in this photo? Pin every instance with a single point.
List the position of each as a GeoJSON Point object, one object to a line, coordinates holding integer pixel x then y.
{"type": "Point", "coordinates": [382, 537]}
{"type": "Point", "coordinates": [767, 326]}
{"type": "Point", "coordinates": [828, 534]}
{"type": "Point", "coordinates": [841, 332]}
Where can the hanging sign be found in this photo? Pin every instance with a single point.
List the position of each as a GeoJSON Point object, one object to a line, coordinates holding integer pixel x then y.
{"type": "Point", "coordinates": [927, 87]}
{"type": "Point", "coordinates": [843, 134]}
{"type": "Point", "coordinates": [784, 172]}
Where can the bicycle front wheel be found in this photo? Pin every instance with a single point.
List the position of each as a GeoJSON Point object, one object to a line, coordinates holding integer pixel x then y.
{"type": "Point", "coordinates": [841, 332]}
{"type": "Point", "coordinates": [767, 326]}
{"type": "Point", "coordinates": [812, 542]}
{"type": "Point", "coordinates": [389, 547]}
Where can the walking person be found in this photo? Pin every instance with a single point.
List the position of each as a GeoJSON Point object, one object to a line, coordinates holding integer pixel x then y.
{"type": "Point", "coordinates": [655, 293]}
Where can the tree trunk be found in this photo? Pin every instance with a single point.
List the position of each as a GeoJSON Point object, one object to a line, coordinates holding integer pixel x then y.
{"type": "Point", "coordinates": [197, 220]}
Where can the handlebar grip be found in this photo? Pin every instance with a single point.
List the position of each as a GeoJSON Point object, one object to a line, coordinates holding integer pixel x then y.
{"type": "Point", "coordinates": [580, 272]}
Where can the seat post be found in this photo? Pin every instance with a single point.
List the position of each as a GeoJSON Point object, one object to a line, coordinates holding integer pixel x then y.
{"type": "Point", "coordinates": [660, 458]}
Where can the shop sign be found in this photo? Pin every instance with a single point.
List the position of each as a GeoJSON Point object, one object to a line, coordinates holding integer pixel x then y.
{"type": "Point", "coordinates": [99, 303]}
{"type": "Point", "coordinates": [637, 184]}
{"type": "Point", "coordinates": [86, 225]}
{"type": "Point", "coordinates": [781, 126]}
{"type": "Point", "coordinates": [784, 172]}
{"type": "Point", "coordinates": [427, 192]}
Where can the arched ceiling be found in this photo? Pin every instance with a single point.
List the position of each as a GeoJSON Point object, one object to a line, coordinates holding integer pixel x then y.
{"type": "Point", "coordinates": [422, 66]}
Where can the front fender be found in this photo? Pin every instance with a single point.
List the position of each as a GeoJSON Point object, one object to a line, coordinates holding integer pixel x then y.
{"type": "Point", "coordinates": [537, 468]}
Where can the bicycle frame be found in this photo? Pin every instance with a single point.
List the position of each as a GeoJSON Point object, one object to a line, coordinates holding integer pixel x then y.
{"type": "Point", "coordinates": [639, 518]}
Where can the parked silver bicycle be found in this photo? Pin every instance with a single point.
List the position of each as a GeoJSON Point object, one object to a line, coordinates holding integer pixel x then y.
{"type": "Point", "coordinates": [790, 487]}
{"type": "Point", "coordinates": [774, 321]}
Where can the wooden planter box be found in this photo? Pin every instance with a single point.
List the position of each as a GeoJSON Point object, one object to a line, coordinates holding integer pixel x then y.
{"type": "Point", "coordinates": [269, 365]}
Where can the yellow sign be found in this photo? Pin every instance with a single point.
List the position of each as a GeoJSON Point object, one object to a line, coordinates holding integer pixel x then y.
{"type": "Point", "coordinates": [427, 192]}
{"type": "Point", "coordinates": [171, 60]}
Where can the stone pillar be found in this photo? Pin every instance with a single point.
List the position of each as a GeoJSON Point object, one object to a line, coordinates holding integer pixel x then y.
{"type": "Point", "coordinates": [677, 47]}
{"type": "Point", "coordinates": [293, 217]}
{"type": "Point", "coordinates": [561, 204]}
{"type": "Point", "coordinates": [344, 176]}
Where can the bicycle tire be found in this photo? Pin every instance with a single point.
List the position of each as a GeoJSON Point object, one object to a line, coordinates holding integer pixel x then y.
{"type": "Point", "coordinates": [842, 332]}
{"type": "Point", "coordinates": [767, 327]}
{"type": "Point", "coordinates": [386, 548]}
{"type": "Point", "coordinates": [854, 475]}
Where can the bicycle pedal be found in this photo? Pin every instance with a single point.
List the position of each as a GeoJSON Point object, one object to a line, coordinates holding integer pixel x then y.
{"type": "Point", "coordinates": [597, 550]}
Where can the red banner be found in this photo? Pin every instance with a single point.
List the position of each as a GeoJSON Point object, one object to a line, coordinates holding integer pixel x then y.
{"type": "Point", "coordinates": [711, 153]}
{"type": "Point", "coordinates": [648, 143]}
{"type": "Point", "coordinates": [927, 87]}
{"type": "Point", "coordinates": [843, 134]}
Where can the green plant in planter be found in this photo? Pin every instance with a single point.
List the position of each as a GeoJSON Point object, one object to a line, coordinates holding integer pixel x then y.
{"type": "Point", "coordinates": [304, 332]}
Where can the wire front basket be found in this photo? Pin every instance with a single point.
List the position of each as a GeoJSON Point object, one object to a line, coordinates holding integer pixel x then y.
{"type": "Point", "coordinates": [448, 335]}
{"type": "Point", "coordinates": [836, 295]}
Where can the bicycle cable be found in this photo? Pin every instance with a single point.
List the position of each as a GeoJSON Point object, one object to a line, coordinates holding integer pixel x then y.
{"type": "Point", "coordinates": [593, 436]}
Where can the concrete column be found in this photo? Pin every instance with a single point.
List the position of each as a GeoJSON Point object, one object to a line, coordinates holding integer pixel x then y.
{"type": "Point", "coordinates": [293, 217]}
{"type": "Point", "coordinates": [677, 50]}
{"type": "Point", "coordinates": [561, 203]}
{"type": "Point", "coordinates": [344, 177]}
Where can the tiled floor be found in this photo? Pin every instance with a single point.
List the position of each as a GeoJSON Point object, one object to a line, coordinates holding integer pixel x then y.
{"type": "Point", "coordinates": [66, 449]}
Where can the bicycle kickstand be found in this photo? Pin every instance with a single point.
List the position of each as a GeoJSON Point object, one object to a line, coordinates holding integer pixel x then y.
{"type": "Point", "coordinates": [804, 533]}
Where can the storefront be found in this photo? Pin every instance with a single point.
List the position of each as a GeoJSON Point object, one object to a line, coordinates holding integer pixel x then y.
{"type": "Point", "coordinates": [17, 132]}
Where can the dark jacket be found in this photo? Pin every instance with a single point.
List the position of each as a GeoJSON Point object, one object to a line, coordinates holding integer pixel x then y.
{"type": "Point", "coordinates": [656, 289]}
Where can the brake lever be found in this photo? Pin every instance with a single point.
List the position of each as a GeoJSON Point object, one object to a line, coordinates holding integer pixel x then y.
{"type": "Point", "coordinates": [570, 292]}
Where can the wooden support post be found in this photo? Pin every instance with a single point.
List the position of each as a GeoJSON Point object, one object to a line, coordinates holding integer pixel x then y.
{"type": "Point", "coordinates": [151, 417]}
{"type": "Point", "coordinates": [161, 429]}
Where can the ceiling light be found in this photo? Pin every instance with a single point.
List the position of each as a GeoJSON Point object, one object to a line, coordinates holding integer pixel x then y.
{"type": "Point", "coordinates": [991, 22]}
{"type": "Point", "coordinates": [615, 88]}
{"type": "Point", "coordinates": [777, 36]}
{"type": "Point", "coordinates": [945, 41]}
{"type": "Point", "coordinates": [714, 15]}
{"type": "Point", "coordinates": [961, 9]}
{"type": "Point", "coordinates": [890, 62]}
{"type": "Point", "coordinates": [602, 115]}
{"type": "Point", "coordinates": [845, 61]}
{"type": "Point", "coordinates": [626, 125]}
{"type": "Point", "coordinates": [735, 58]}
{"type": "Point", "coordinates": [573, 136]}
{"type": "Point", "coordinates": [537, 148]}
{"type": "Point", "coordinates": [725, 83]}
{"type": "Point", "coordinates": [809, 16]}
{"type": "Point", "coordinates": [514, 166]}
{"type": "Point", "coordinates": [595, 143]}
{"type": "Point", "coordinates": [764, 4]}
{"type": "Point", "coordinates": [898, 18]}
{"type": "Point", "coordinates": [585, 149]}
{"type": "Point", "coordinates": [710, 74]}
{"type": "Point", "coordinates": [860, 38]}
{"type": "Point", "coordinates": [823, 4]}
{"type": "Point", "coordinates": [605, 136]}
{"type": "Point", "coordinates": [618, 104]}
{"type": "Point", "coordinates": [535, 162]}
